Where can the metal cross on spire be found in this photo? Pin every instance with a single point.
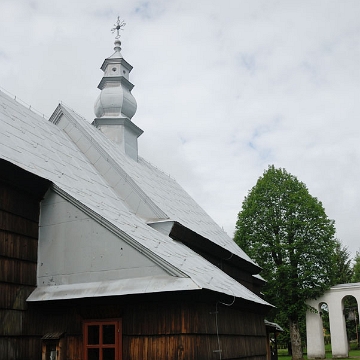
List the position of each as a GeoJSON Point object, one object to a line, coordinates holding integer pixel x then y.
{"type": "Point", "coordinates": [118, 26]}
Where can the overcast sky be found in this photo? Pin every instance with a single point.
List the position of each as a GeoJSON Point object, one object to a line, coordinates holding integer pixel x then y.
{"type": "Point", "coordinates": [224, 88]}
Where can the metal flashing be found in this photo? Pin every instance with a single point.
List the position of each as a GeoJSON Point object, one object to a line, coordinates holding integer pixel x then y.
{"type": "Point", "coordinates": [115, 60]}
{"type": "Point", "coordinates": [150, 284]}
{"type": "Point", "coordinates": [164, 226]}
{"type": "Point", "coordinates": [118, 121]}
{"type": "Point", "coordinates": [117, 79]}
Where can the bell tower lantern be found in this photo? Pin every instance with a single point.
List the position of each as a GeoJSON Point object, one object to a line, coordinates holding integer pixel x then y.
{"type": "Point", "coordinates": [115, 105]}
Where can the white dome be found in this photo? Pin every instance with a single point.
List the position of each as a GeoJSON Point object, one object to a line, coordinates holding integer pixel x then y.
{"type": "Point", "coordinates": [115, 101]}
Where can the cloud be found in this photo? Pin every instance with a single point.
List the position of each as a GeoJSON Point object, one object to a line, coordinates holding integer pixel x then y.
{"type": "Point", "coordinates": [223, 89]}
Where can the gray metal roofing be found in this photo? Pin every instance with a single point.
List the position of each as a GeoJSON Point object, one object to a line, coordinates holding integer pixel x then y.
{"type": "Point", "coordinates": [164, 191]}
{"type": "Point", "coordinates": [38, 146]}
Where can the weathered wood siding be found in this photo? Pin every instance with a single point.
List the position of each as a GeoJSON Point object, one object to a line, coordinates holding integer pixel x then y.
{"type": "Point", "coordinates": [19, 214]}
{"type": "Point", "coordinates": [189, 331]}
{"type": "Point", "coordinates": [158, 328]}
{"type": "Point", "coordinates": [20, 194]}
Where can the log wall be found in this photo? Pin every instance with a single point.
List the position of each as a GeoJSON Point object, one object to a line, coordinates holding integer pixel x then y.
{"type": "Point", "coordinates": [19, 213]}
{"type": "Point", "coordinates": [158, 328]}
{"type": "Point", "coordinates": [189, 331]}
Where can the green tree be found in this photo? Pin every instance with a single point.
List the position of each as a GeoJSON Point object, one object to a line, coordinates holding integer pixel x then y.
{"type": "Point", "coordinates": [343, 270]}
{"type": "Point", "coordinates": [287, 232]}
{"type": "Point", "coordinates": [356, 268]}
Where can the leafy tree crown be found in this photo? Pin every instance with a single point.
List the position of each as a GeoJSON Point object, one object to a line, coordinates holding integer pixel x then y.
{"type": "Point", "coordinates": [286, 230]}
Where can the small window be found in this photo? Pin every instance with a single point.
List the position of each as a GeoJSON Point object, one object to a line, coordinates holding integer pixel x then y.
{"type": "Point", "coordinates": [102, 340]}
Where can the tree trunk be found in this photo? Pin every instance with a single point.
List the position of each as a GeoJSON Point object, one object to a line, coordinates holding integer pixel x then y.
{"type": "Point", "coordinates": [295, 338]}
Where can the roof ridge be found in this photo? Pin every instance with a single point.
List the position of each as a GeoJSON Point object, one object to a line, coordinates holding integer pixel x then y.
{"type": "Point", "coordinates": [23, 103]}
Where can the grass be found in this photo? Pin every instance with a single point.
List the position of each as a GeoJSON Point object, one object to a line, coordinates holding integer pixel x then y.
{"type": "Point", "coordinates": [353, 353]}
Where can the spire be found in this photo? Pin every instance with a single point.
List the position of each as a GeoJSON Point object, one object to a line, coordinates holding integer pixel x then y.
{"type": "Point", "coordinates": [115, 106]}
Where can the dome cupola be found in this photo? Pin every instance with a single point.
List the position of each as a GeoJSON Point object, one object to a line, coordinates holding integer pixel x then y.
{"type": "Point", "coordinates": [115, 99]}
{"type": "Point", "coordinates": [115, 105]}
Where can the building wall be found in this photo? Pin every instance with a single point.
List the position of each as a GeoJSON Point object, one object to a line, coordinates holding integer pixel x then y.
{"type": "Point", "coordinates": [188, 325]}
{"type": "Point", "coordinates": [87, 248]}
{"type": "Point", "coordinates": [19, 213]}
{"type": "Point", "coordinates": [161, 327]}
{"type": "Point", "coordinates": [189, 330]}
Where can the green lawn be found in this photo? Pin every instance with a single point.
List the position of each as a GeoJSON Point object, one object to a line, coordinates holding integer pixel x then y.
{"type": "Point", "coordinates": [353, 353]}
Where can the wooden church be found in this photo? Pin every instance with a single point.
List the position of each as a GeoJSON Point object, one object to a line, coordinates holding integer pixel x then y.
{"type": "Point", "coordinates": [102, 255]}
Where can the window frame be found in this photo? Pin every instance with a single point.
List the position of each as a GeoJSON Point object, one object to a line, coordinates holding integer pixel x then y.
{"type": "Point", "coordinates": [101, 322]}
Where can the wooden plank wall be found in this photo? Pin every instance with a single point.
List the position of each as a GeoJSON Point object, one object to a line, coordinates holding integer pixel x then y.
{"type": "Point", "coordinates": [19, 213]}
{"type": "Point", "coordinates": [168, 329]}
{"type": "Point", "coordinates": [164, 328]}
{"type": "Point", "coordinates": [189, 331]}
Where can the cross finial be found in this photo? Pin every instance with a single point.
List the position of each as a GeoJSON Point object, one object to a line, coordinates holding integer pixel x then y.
{"type": "Point", "coordinates": [118, 26]}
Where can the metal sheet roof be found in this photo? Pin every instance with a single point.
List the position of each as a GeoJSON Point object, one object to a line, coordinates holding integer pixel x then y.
{"type": "Point", "coordinates": [38, 146]}
{"type": "Point", "coordinates": [162, 190]}
{"type": "Point", "coordinates": [273, 326]}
